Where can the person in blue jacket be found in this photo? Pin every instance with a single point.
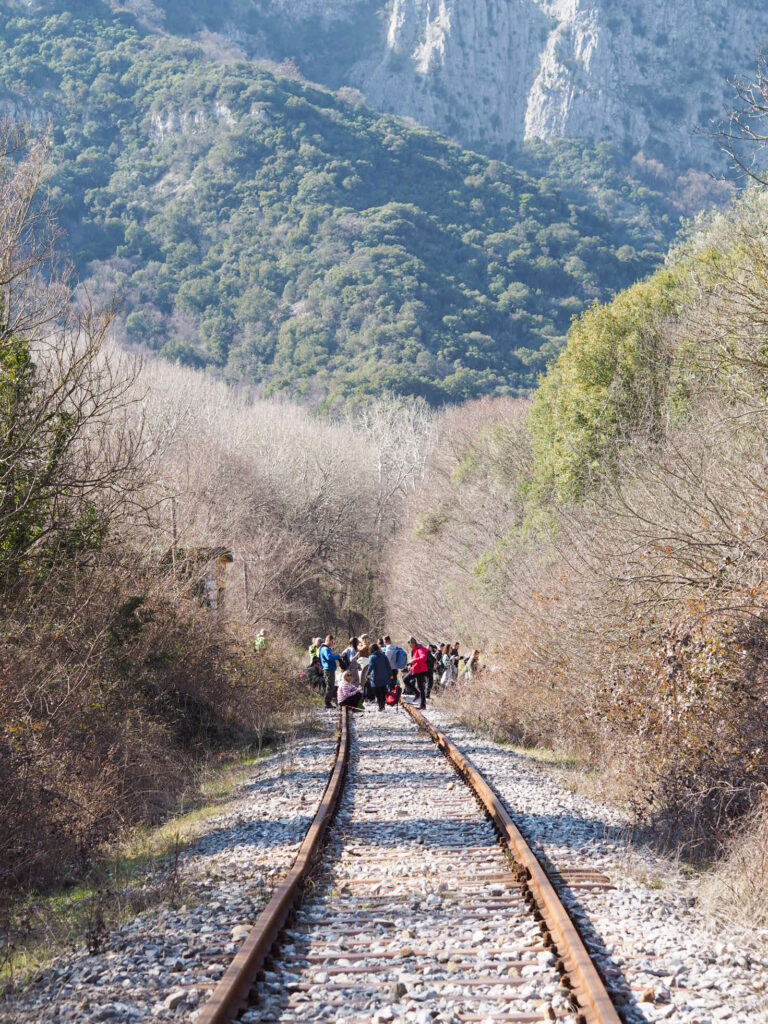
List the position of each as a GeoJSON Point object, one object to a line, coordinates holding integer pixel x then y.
{"type": "Point", "coordinates": [379, 674]}
{"type": "Point", "coordinates": [328, 662]}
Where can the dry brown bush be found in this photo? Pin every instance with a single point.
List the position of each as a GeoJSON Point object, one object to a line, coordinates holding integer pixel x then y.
{"type": "Point", "coordinates": [629, 629]}
{"type": "Point", "coordinates": [117, 493]}
{"type": "Point", "coordinates": [110, 694]}
{"type": "Point", "coordinates": [737, 891]}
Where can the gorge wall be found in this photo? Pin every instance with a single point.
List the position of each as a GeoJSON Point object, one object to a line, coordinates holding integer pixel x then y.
{"type": "Point", "coordinates": [493, 73]}
{"type": "Point", "coordinates": [496, 72]}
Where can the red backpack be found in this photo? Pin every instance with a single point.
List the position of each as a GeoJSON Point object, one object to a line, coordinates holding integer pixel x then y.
{"type": "Point", "coordinates": [419, 665]}
{"type": "Point", "coordinates": [393, 697]}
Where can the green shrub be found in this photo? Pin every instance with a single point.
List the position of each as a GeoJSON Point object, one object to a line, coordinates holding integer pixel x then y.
{"type": "Point", "coordinates": [609, 382]}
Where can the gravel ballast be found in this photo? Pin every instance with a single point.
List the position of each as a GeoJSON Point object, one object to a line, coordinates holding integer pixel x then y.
{"type": "Point", "coordinates": [417, 916]}
{"type": "Point", "coordinates": [411, 913]}
{"type": "Point", "coordinates": [164, 963]}
{"type": "Point", "coordinates": [660, 954]}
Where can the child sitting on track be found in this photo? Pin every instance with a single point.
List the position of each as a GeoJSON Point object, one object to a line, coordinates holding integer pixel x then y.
{"type": "Point", "coordinates": [348, 693]}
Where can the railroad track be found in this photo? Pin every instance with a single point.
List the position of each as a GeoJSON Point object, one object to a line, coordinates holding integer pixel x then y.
{"type": "Point", "coordinates": [419, 907]}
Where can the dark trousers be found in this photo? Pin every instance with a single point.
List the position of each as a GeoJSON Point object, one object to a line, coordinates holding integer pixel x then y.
{"type": "Point", "coordinates": [381, 695]}
{"type": "Point", "coordinates": [409, 684]}
{"type": "Point", "coordinates": [355, 701]}
{"type": "Point", "coordinates": [430, 682]}
{"type": "Point", "coordinates": [330, 687]}
{"type": "Point", "coordinates": [421, 684]}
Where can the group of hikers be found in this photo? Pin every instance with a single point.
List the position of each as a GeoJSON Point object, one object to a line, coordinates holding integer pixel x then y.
{"type": "Point", "coordinates": [371, 671]}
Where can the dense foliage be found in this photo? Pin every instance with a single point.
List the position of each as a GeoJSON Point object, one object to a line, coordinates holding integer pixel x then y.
{"type": "Point", "coordinates": [289, 236]}
{"type": "Point", "coordinates": [610, 382]}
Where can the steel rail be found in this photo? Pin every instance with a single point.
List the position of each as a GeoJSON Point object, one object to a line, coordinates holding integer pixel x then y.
{"type": "Point", "coordinates": [231, 994]}
{"type": "Point", "coordinates": [586, 984]}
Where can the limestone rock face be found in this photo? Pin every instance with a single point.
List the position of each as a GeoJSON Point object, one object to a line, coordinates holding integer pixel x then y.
{"type": "Point", "coordinates": [492, 73]}
{"type": "Point", "coordinates": [466, 67]}
{"type": "Point", "coordinates": [641, 73]}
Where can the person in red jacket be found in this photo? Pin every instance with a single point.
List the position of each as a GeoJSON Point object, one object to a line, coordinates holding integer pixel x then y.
{"type": "Point", "coordinates": [420, 669]}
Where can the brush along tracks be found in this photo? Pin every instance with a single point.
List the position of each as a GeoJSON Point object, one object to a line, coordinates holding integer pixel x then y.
{"type": "Point", "coordinates": [418, 912]}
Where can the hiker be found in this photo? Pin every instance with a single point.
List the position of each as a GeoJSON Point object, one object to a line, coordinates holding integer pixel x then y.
{"type": "Point", "coordinates": [439, 652]}
{"type": "Point", "coordinates": [431, 665]}
{"type": "Point", "coordinates": [379, 674]}
{"type": "Point", "coordinates": [472, 666]}
{"type": "Point", "coordinates": [363, 654]}
{"type": "Point", "coordinates": [396, 657]}
{"type": "Point", "coordinates": [388, 648]}
{"type": "Point", "coordinates": [313, 676]}
{"type": "Point", "coordinates": [328, 662]}
{"type": "Point", "coordinates": [419, 670]}
{"type": "Point", "coordinates": [352, 654]}
{"type": "Point", "coordinates": [448, 678]}
{"type": "Point", "coordinates": [260, 643]}
{"type": "Point", "coordinates": [349, 694]}
{"type": "Point", "coordinates": [314, 648]}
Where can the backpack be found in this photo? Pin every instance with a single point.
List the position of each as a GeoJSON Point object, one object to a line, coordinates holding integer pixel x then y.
{"type": "Point", "coordinates": [393, 697]}
{"type": "Point", "coordinates": [400, 658]}
{"type": "Point", "coordinates": [343, 661]}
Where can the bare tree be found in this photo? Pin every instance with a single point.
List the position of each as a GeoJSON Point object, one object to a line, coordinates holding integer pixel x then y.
{"type": "Point", "coordinates": [294, 496]}
{"type": "Point", "coordinates": [401, 434]}
{"type": "Point", "coordinates": [70, 446]}
{"type": "Point", "coordinates": [743, 136]}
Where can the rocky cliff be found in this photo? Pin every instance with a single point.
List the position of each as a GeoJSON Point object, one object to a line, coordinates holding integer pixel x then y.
{"type": "Point", "coordinates": [492, 73]}
{"type": "Point", "coordinates": [641, 73]}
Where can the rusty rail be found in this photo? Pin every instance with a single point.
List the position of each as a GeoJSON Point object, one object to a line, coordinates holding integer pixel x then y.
{"type": "Point", "coordinates": [230, 996]}
{"type": "Point", "coordinates": [586, 984]}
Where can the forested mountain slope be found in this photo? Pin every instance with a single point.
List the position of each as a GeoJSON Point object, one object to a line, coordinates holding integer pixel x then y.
{"type": "Point", "coordinates": [294, 238]}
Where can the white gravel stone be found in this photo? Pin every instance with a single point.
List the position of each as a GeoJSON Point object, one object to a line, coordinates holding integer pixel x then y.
{"type": "Point", "coordinates": [150, 967]}
{"type": "Point", "coordinates": [646, 932]}
{"type": "Point", "coordinates": [175, 998]}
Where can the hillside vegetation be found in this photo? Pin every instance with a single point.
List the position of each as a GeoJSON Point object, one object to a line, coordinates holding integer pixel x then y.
{"type": "Point", "coordinates": [288, 236]}
{"type": "Point", "coordinates": [151, 521]}
{"type": "Point", "coordinates": [605, 544]}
